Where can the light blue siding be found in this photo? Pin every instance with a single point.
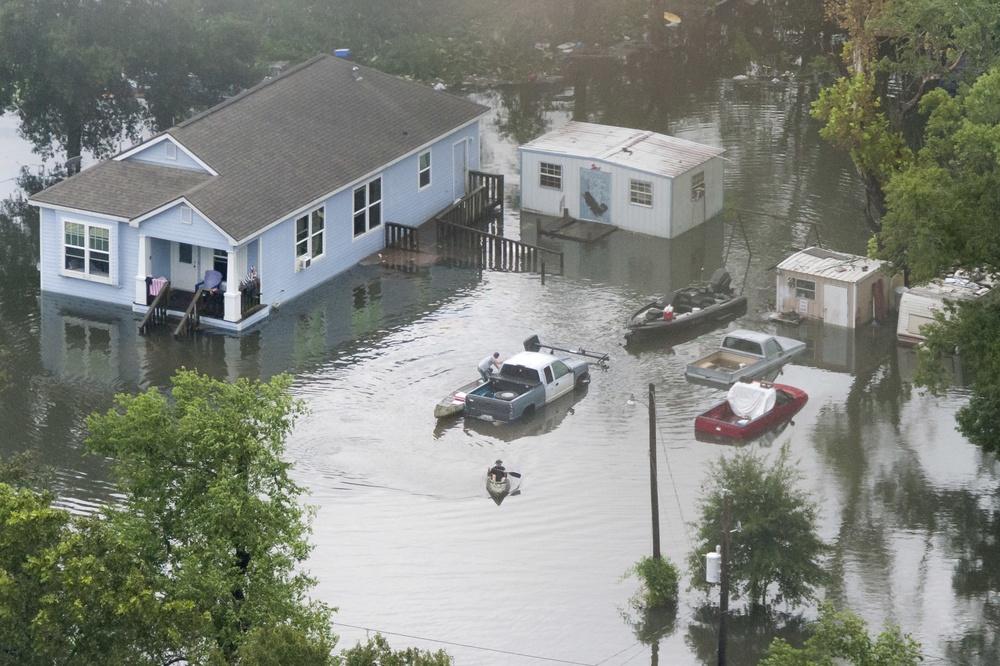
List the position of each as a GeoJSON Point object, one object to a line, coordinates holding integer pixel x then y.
{"type": "Point", "coordinates": [123, 260]}
{"type": "Point", "coordinates": [273, 250]}
{"type": "Point", "coordinates": [157, 154]}
{"type": "Point", "coordinates": [402, 203]}
{"type": "Point", "coordinates": [167, 224]}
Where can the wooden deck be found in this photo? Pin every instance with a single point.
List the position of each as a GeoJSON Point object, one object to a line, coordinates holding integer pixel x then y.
{"type": "Point", "coordinates": [570, 228]}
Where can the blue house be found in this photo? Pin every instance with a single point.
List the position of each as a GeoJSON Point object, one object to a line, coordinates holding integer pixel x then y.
{"type": "Point", "coordinates": [278, 188]}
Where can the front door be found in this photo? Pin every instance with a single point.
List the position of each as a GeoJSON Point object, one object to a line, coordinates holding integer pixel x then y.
{"type": "Point", "coordinates": [185, 268]}
{"type": "Point", "coordinates": [595, 195]}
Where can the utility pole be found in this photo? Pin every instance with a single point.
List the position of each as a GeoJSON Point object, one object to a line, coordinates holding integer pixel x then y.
{"type": "Point", "coordinates": [652, 472]}
{"type": "Point", "coordinates": [724, 580]}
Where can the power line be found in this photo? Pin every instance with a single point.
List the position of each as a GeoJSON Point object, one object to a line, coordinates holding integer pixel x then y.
{"type": "Point", "coordinates": [465, 645]}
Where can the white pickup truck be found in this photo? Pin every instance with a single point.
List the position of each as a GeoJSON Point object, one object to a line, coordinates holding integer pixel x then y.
{"type": "Point", "coordinates": [527, 381]}
{"type": "Point", "coordinates": [743, 354]}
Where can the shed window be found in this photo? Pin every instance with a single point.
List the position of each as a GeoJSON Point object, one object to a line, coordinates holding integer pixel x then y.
{"type": "Point", "coordinates": [367, 207]}
{"type": "Point", "coordinates": [550, 175]}
{"type": "Point", "coordinates": [698, 186]}
{"type": "Point", "coordinates": [640, 192]}
{"type": "Point", "coordinates": [310, 234]}
{"type": "Point", "coordinates": [424, 170]}
{"type": "Point", "coordinates": [805, 289]}
{"type": "Point", "coordinates": [87, 251]}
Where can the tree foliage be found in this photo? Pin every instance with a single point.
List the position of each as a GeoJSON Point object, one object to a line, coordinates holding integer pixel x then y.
{"type": "Point", "coordinates": [944, 214]}
{"type": "Point", "coordinates": [200, 563]}
{"type": "Point", "coordinates": [777, 550]}
{"type": "Point", "coordinates": [840, 637]}
{"type": "Point", "coordinates": [377, 652]}
{"type": "Point", "coordinates": [659, 578]}
{"type": "Point", "coordinates": [853, 121]}
{"type": "Point", "coordinates": [210, 507]}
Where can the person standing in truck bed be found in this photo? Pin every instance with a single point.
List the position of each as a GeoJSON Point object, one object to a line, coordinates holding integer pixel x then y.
{"type": "Point", "coordinates": [486, 366]}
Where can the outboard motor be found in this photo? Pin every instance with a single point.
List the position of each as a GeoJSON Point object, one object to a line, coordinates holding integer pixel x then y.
{"type": "Point", "coordinates": [721, 282]}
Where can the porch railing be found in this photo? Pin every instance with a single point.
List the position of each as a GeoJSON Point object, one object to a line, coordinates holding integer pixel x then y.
{"type": "Point", "coordinates": [157, 312]}
{"type": "Point", "coordinates": [493, 182]}
{"type": "Point", "coordinates": [192, 317]}
{"type": "Point", "coordinates": [495, 252]}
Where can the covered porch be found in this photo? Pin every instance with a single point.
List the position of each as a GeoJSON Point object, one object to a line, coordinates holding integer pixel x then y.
{"type": "Point", "coordinates": [184, 281]}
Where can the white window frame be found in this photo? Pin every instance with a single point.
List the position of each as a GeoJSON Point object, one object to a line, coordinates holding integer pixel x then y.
{"type": "Point", "coordinates": [169, 150]}
{"type": "Point", "coordinates": [87, 253]}
{"type": "Point", "coordinates": [698, 186]}
{"type": "Point", "coordinates": [550, 175]}
{"type": "Point", "coordinates": [186, 216]}
{"type": "Point", "coordinates": [804, 289]}
{"type": "Point", "coordinates": [368, 208]}
{"type": "Point", "coordinates": [640, 192]}
{"type": "Point", "coordinates": [424, 170]}
{"type": "Point", "coordinates": [313, 224]}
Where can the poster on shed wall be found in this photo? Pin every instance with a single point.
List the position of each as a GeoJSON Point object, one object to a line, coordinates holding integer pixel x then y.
{"type": "Point", "coordinates": [595, 195]}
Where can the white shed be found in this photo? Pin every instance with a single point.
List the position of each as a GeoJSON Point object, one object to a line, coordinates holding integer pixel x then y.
{"type": "Point", "coordinates": [839, 289]}
{"type": "Point", "coordinates": [636, 180]}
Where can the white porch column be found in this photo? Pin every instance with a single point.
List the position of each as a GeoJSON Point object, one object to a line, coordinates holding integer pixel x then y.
{"type": "Point", "coordinates": [232, 296]}
{"type": "Point", "coordinates": [142, 270]}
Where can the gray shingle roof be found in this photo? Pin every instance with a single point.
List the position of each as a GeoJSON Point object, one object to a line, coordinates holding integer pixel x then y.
{"type": "Point", "coordinates": [278, 146]}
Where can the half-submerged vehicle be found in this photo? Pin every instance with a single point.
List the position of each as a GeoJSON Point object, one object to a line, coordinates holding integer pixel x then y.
{"type": "Point", "coordinates": [750, 410]}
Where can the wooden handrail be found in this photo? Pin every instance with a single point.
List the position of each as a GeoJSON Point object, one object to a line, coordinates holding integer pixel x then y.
{"type": "Point", "coordinates": [190, 314]}
{"type": "Point", "coordinates": [157, 312]}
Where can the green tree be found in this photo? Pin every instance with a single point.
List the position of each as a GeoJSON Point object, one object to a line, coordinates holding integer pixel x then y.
{"type": "Point", "coordinates": [853, 121]}
{"type": "Point", "coordinates": [943, 214]}
{"type": "Point", "coordinates": [376, 652]}
{"type": "Point", "coordinates": [776, 550]}
{"type": "Point", "coordinates": [840, 637]}
{"type": "Point", "coordinates": [896, 52]}
{"type": "Point", "coordinates": [63, 73]}
{"type": "Point", "coordinates": [210, 508]}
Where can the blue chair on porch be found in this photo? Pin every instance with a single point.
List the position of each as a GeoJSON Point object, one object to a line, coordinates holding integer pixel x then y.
{"type": "Point", "coordinates": [211, 294]}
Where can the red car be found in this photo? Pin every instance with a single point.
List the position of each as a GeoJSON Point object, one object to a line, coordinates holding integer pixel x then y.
{"type": "Point", "coordinates": [750, 410]}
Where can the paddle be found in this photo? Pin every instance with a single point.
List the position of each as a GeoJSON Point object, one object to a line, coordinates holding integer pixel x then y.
{"type": "Point", "coordinates": [516, 475]}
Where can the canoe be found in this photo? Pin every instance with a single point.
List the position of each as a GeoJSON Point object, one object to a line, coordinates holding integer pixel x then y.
{"type": "Point", "coordinates": [454, 403]}
{"type": "Point", "coordinates": [759, 408]}
{"type": "Point", "coordinates": [497, 488]}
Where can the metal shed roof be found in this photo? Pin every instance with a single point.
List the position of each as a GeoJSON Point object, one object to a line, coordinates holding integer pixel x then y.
{"type": "Point", "coordinates": [831, 265]}
{"type": "Point", "coordinates": [635, 149]}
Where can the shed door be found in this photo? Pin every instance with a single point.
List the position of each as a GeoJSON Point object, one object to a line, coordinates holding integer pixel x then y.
{"type": "Point", "coordinates": [835, 305]}
{"type": "Point", "coordinates": [595, 195]}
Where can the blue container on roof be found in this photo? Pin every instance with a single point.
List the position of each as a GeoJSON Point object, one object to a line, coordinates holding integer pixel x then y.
{"type": "Point", "coordinates": [342, 53]}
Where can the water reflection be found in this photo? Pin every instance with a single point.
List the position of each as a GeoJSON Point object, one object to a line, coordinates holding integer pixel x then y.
{"type": "Point", "coordinates": [403, 524]}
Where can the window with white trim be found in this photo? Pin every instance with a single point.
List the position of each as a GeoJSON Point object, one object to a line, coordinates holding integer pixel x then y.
{"type": "Point", "coordinates": [367, 207]}
{"type": "Point", "coordinates": [220, 262]}
{"type": "Point", "coordinates": [550, 175]}
{"type": "Point", "coordinates": [185, 215]}
{"type": "Point", "coordinates": [805, 289]}
{"type": "Point", "coordinates": [170, 150]}
{"type": "Point", "coordinates": [87, 251]}
{"type": "Point", "coordinates": [698, 186]}
{"type": "Point", "coordinates": [310, 234]}
{"type": "Point", "coordinates": [640, 192]}
{"type": "Point", "coordinates": [424, 170]}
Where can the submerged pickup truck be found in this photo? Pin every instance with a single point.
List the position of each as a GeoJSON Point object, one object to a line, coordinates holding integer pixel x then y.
{"type": "Point", "coordinates": [743, 354]}
{"type": "Point", "coordinates": [527, 381]}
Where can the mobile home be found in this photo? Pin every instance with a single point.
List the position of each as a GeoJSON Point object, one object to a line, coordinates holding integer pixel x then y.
{"type": "Point", "coordinates": [918, 305]}
{"type": "Point", "coordinates": [635, 180]}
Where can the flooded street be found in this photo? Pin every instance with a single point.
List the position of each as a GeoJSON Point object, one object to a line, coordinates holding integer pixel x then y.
{"type": "Point", "coordinates": [407, 540]}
